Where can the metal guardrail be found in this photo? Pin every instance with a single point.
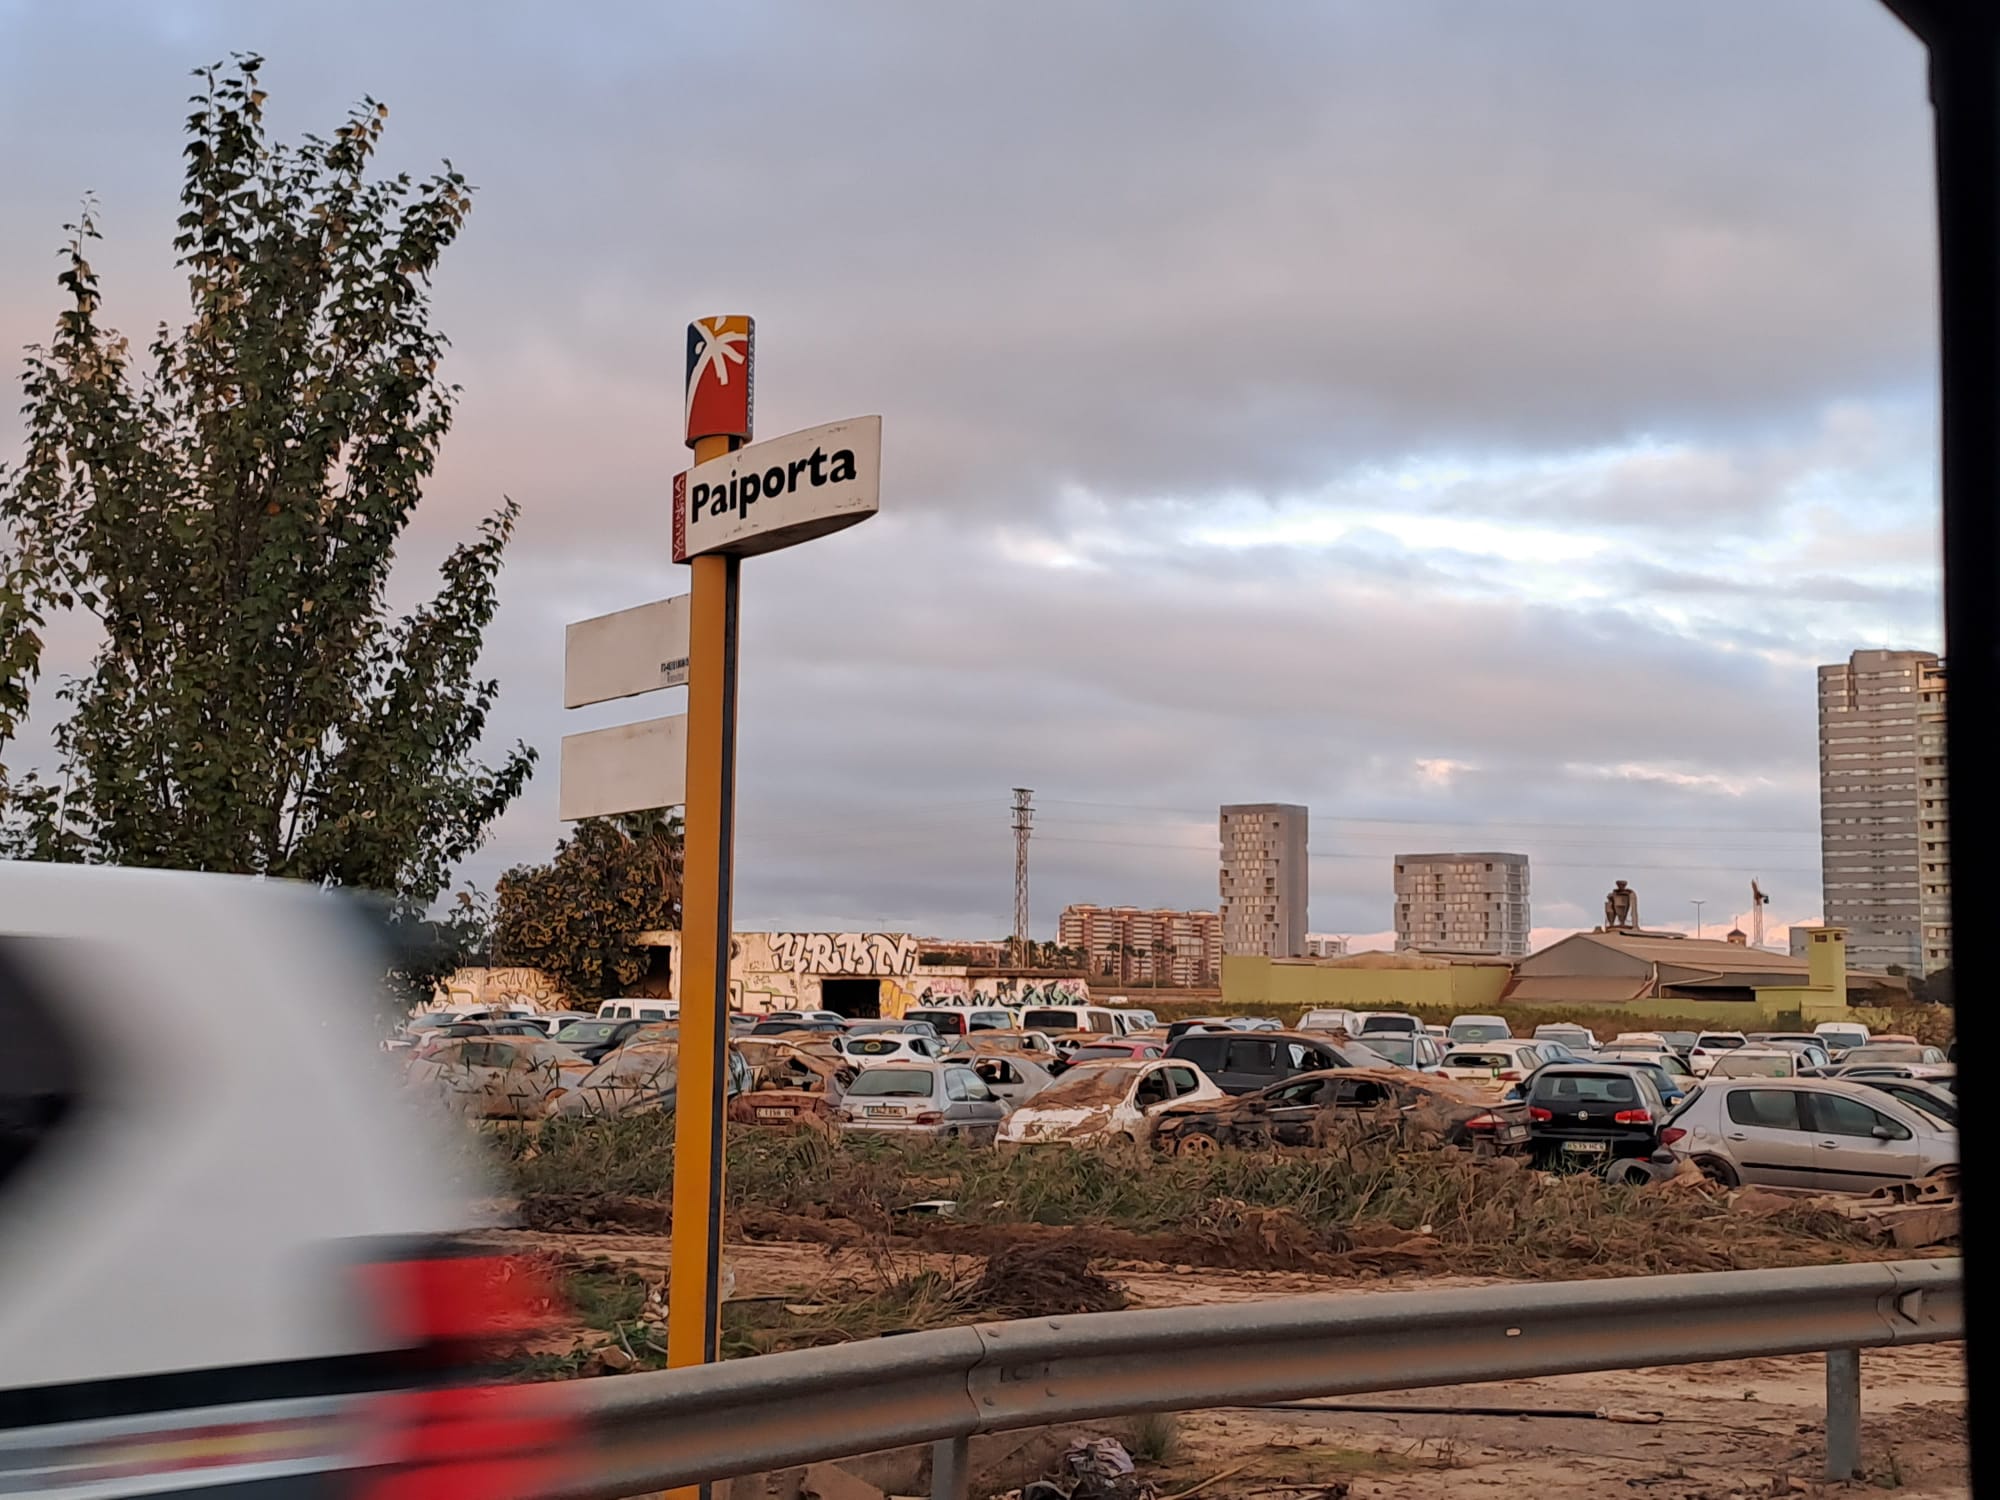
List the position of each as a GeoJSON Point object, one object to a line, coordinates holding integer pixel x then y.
{"type": "Point", "coordinates": [664, 1429]}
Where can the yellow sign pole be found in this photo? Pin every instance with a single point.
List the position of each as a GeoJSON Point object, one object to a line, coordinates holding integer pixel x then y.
{"type": "Point", "coordinates": [694, 1283]}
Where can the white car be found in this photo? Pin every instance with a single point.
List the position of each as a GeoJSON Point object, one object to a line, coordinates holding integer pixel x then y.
{"type": "Point", "coordinates": [890, 1046]}
{"type": "Point", "coordinates": [1755, 1062]}
{"type": "Point", "coordinates": [1105, 1101]}
{"type": "Point", "coordinates": [1493, 1062]}
{"type": "Point", "coordinates": [1328, 1019]}
{"type": "Point", "coordinates": [1479, 1029]}
{"type": "Point", "coordinates": [1709, 1045]}
{"type": "Point", "coordinates": [1650, 1039]}
{"type": "Point", "coordinates": [213, 1221]}
{"type": "Point", "coordinates": [1841, 1035]}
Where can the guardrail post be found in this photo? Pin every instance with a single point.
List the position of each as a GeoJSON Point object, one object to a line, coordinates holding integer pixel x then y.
{"type": "Point", "coordinates": [1843, 1413]}
{"type": "Point", "coordinates": [951, 1466]}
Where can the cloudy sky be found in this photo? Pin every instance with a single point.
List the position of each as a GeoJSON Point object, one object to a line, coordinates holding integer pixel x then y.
{"type": "Point", "coordinates": [1472, 421]}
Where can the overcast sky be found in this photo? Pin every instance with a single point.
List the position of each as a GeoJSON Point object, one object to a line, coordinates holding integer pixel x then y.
{"type": "Point", "coordinates": [1472, 421]}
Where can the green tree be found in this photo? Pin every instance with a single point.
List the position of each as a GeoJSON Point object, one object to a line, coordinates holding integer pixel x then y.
{"type": "Point", "coordinates": [229, 514]}
{"type": "Point", "coordinates": [574, 918]}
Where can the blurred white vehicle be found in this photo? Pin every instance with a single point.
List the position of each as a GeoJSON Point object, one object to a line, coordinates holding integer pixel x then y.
{"type": "Point", "coordinates": [222, 1225]}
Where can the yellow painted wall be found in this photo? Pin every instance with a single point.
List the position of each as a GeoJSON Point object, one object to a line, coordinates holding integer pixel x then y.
{"type": "Point", "coordinates": [1285, 989]}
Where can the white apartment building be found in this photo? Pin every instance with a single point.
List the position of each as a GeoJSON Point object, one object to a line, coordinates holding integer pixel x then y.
{"type": "Point", "coordinates": [1463, 903]}
{"type": "Point", "coordinates": [1325, 945]}
{"type": "Point", "coordinates": [1263, 881]}
{"type": "Point", "coordinates": [1883, 795]}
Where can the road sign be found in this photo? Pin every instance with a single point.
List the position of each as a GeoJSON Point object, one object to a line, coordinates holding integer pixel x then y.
{"type": "Point", "coordinates": [771, 495]}
{"type": "Point", "coordinates": [623, 654]}
{"type": "Point", "coordinates": [721, 377]}
{"type": "Point", "coordinates": [627, 768]}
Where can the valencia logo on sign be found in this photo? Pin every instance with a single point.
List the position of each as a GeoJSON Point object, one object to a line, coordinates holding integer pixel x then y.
{"type": "Point", "coordinates": [721, 377]}
{"type": "Point", "coordinates": [774, 494]}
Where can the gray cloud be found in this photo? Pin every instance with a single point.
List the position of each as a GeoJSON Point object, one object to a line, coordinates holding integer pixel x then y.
{"type": "Point", "coordinates": [1113, 273]}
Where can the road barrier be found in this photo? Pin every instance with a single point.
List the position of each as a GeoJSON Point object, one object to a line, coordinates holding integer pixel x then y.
{"type": "Point", "coordinates": [660, 1430]}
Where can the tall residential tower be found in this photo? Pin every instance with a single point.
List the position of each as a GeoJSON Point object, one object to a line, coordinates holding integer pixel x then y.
{"type": "Point", "coordinates": [1463, 903]}
{"type": "Point", "coordinates": [1884, 857]}
{"type": "Point", "coordinates": [1264, 879]}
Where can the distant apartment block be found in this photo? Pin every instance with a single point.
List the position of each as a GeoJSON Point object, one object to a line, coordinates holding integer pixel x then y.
{"type": "Point", "coordinates": [1264, 879]}
{"type": "Point", "coordinates": [1325, 945]}
{"type": "Point", "coordinates": [1156, 946]}
{"type": "Point", "coordinates": [1463, 903]}
{"type": "Point", "coordinates": [1883, 795]}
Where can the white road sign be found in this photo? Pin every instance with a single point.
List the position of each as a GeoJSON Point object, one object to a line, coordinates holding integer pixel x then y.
{"type": "Point", "coordinates": [624, 769]}
{"type": "Point", "coordinates": [774, 494]}
{"type": "Point", "coordinates": [633, 651]}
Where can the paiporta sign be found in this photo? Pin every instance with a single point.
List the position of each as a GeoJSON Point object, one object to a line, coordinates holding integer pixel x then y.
{"type": "Point", "coordinates": [770, 495]}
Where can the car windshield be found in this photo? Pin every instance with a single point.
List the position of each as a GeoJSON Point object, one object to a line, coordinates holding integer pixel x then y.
{"type": "Point", "coordinates": [1099, 1054]}
{"type": "Point", "coordinates": [1716, 1042]}
{"type": "Point", "coordinates": [1400, 1051]}
{"type": "Point", "coordinates": [876, 1046]}
{"type": "Point", "coordinates": [586, 1033]}
{"type": "Point", "coordinates": [1753, 1065]}
{"type": "Point", "coordinates": [1478, 1060]}
{"type": "Point", "coordinates": [1389, 1023]}
{"type": "Point", "coordinates": [1588, 1088]}
{"type": "Point", "coordinates": [1478, 1031]}
{"type": "Point", "coordinates": [1678, 1039]}
{"type": "Point", "coordinates": [1886, 1052]}
{"type": "Point", "coordinates": [893, 1083]}
{"type": "Point", "coordinates": [1365, 1055]}
{"type": "Point", "coordinates": [1051, 1020]}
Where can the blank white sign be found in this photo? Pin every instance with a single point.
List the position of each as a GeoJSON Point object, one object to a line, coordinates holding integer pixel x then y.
{"type": "Point", "coordinates": [625, 769]}
{"type": "Point", "coordinates": [634, 651]}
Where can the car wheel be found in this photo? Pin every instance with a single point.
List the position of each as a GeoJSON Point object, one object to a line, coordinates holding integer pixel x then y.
{"type": "Point", "coordinates": [1718, 1171]}
{"type": "Point", "coordinates": [1195, 1143]}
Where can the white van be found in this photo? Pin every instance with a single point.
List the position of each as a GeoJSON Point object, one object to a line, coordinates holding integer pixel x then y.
{"type": "Point", "coordinates": [1477, 1029]}
{"type": "Point", "coordinates": [1097, 1019]}
{"type": "Point", "coordinates": [641, 1009]}
{"type": "Point", "coordinates": [1841, 1035]}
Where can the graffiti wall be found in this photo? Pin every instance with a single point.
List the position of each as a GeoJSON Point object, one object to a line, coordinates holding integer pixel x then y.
{"type": "Point", "coordinates": [860, 953]}
{"type": "Point", "coordinates": [517, 989]}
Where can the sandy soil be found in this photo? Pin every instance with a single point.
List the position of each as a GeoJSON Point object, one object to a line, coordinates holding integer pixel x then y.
{"type": "Point", "coordinates": [1750, 1427]}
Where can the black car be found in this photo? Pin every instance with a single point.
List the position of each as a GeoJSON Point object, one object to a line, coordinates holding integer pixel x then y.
{"type": "Point", "coordinates": [1241, 1062]}
{"type": "Point", "coordinates": [593, 1040]}
{"type": "Point", "coordinates": [786, 1028]}
{"type": "Point", "coordinates": [1589, 1114]}
{"type": "Point", "coordinates": [1293, 1113]}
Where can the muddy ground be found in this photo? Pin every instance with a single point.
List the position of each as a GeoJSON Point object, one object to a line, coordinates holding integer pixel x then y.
{"type": "Point", "coordinates": [1750, 1427]}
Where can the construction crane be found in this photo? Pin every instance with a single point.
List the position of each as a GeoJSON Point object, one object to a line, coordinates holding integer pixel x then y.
{"type": "Point", "coordinates": [1758, 901]}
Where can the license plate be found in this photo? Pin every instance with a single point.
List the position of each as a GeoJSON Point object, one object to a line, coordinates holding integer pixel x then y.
{"type": "Point", "coordinates": [774, 1114]}
{"type": "Point", "coordinates": [1587, 1148]}
{"type": "Point", "coordinates": [882, 1109]}
{"type": "Point", "coordinates": [1514, 1133]}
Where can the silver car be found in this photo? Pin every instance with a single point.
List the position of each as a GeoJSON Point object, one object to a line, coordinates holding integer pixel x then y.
{"type": "Point", "coordinates": [931, 1099]}
{"type": "Point", "coordinates": [1806, 1133]}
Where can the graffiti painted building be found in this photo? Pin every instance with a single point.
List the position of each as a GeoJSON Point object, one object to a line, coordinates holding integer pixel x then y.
{"type": "Point", "coordinates": [862, 974]}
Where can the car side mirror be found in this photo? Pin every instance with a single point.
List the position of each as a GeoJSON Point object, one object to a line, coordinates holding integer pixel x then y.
{"type": "Point", "coordinates": [1890, 1133]}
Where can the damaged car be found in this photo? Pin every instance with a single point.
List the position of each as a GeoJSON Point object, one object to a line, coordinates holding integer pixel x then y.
{"type": "Point", "coordinates": [790, 1084]}
{"type": "Point", "coordinates": [1107, 1101]}
{"type": "Point", "coordinates": [640, 1078]}
{"type": "Point", "coordinates": [1009, 1076]}
{"type": "Point", "coordinates": [498, 1077]}
{"type": "Point", "coordinates": [1302, 1111]}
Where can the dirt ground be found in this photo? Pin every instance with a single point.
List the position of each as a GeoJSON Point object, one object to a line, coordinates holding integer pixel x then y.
{"type": "Point", "coordinates": [1750, 1427]}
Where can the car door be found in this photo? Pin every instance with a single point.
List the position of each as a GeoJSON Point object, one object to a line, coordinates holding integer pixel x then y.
{"type": "Point", "coordinates": [1293, 1111]}
{"type": "Point", "coordinates": [1769, 1138]}
{"type": "Point", "coordinates": [1859, 1146]}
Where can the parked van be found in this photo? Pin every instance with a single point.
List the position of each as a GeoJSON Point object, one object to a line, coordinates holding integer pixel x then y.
{"type": "Point", "coordinates": [1841, 1035]}
{"type": "Point", "coordinates": [642, 1009]}
{"type": "Point", "coordinates": [1092, 1018]}
{"type": "Point", "coordinates": [1393, 1022]}
{"type": "Point", "coordinates": [1480, 1029]}
{"type": "Point", "coordinates": [962, 1020]}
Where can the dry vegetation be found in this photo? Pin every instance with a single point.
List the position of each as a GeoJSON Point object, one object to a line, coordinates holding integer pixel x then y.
{"type": "Point", "coordinates": [1374, 1199]}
